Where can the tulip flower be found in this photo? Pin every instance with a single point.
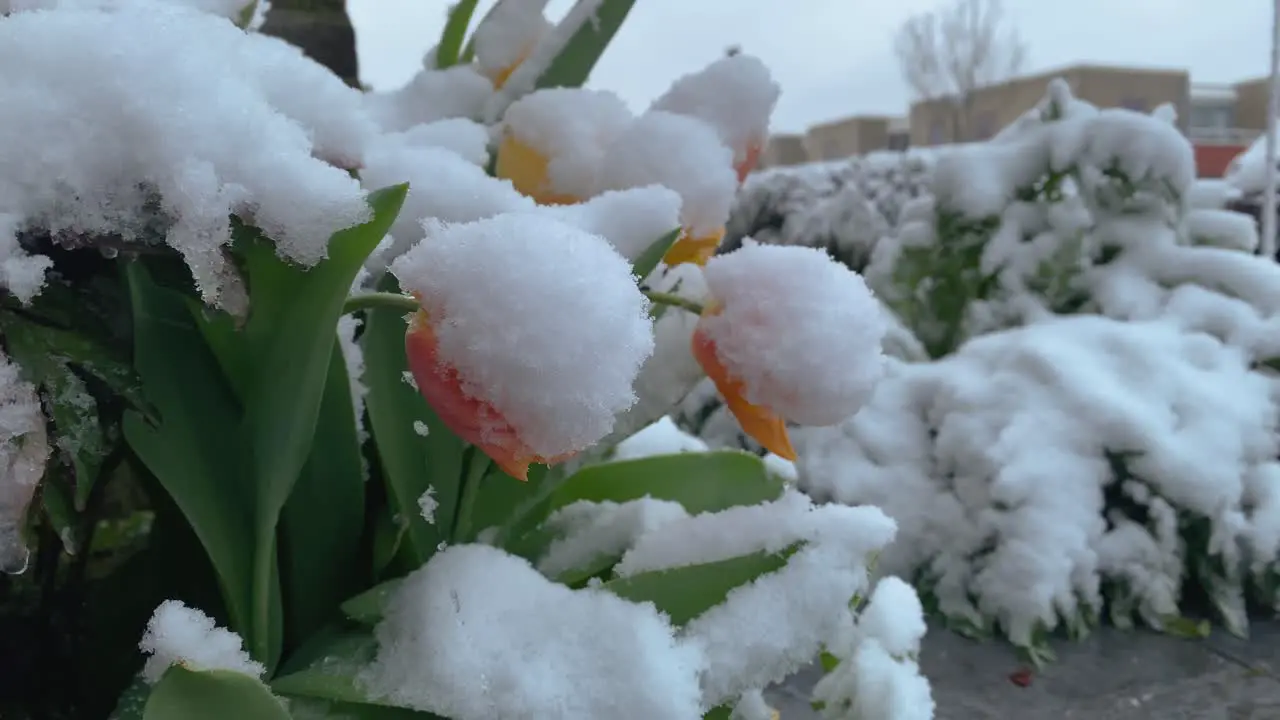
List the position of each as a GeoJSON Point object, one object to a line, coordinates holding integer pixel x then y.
{"type": "Point", "coordinates": [507, 36]}
{"type": "Point", "coordinates": [513, 358]}
{"type": "Point", "coordinates": [758, 422]}
{"type": "Point", "coordinates": [473, 420]}
{"type": "Point", "coordinates": [686, 155]}
{"type": "Point", "coordinates": [788, 335]}
{"type": "Point", "coordinates": [735, 96]}
{"type": "Point", "coordinates": [552, 140]}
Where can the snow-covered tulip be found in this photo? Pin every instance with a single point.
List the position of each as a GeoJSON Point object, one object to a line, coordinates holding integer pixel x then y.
{"type": "Point", "coordinates": [507, 36]}
{"type": "Point", "coordinates": [789, 334]}
{"type": "Point", "coordinates": [529, 335]}
{"type": "Point", "coordinates": [686, 155]}
{"type": "Point", "coordinates": [735, 95]}
{"type": "Point", "coordinates": [552, 141]}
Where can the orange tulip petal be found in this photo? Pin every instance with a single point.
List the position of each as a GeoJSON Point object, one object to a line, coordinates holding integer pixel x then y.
{"type": "Point", "coordinates": [748, 163]}
{"type": "Point", "coordinates": [472, 420]}
{"type": "Point", "coordinates": [693, 250]}
{"type": "Point", "coordinates": [526, 168]}
{"type": "Point", "coordinates": [761, 423]}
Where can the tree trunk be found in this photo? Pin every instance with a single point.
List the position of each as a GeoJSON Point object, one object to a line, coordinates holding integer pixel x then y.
{"type": "Point", "coordinates": [322, 29]}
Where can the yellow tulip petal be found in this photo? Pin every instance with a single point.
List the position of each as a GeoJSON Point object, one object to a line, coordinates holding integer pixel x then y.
{"type": "Point", "coordinates": [526, 168]}
{"type": "Point", "coordinates": [693, 250]}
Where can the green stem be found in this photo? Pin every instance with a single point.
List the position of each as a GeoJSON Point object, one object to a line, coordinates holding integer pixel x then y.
{"type": "Point", "coordinates": [673, 300]}
{"type": "Point", "coordinates": [368, 301]}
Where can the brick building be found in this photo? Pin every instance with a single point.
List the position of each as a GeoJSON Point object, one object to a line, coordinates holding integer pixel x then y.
{"type": "Point", "coordinates": [1220, 120]}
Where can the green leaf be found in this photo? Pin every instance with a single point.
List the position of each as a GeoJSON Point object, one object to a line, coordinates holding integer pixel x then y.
{"type": "Point", "coordinates": [246, 14]}
{"type": "Point", "coordinates": [133, 701]}
{"type": "Point", "coordinates": [46, 345]}
{"type": "Point", "coordinates": [701, 482]}
{"type": "Point", "coordinates": [574, 64]}
{"type": "Point", "coordinates": [367, 607]}
{"type": "Point", "coordinates": [333, 675]}
{"type": "Point", "coordinates": [317, 709]}
{"type": "Point", "coordinates": [290, 332]}
{"type": "Point", "coordinates": [225, 341]}
{"type": "Point", "coordinates": [686, 592]}
{"type": "Point", "coordinates": [58, 507]}
{"type": "Point", "coordinates": [653, 254]}
{"type": "Point", "coordinates": [80, 435]}
{"type": "Point", "coordinates": [212, 695]}
{"type": "Point", "coordinates": [722, 712]}
{"type": "Point", "coordinates": [411, 463]}
{"type": "Point", "coordinates": [323, 520]}
{"type": "Point", "coordinates": [193, 451]}
{"type": "Point", "coordinates": [291, 352]}
{"type": "Point", "coordinates": [454, 30]}
{"type": "Point", "coordinates": [829, 662]}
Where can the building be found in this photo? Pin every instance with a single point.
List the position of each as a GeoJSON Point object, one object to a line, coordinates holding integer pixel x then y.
{"type": "Point", "coordinates": [1224, 120]}
{"type": "Point", "coordinates": [1220, 120]}
{"type": "Point", "coordinates": [934, 122]}
{"type": "Point", "coordinates": [783, 149]}
{"type": "Point", "coordinates": [857, 135]}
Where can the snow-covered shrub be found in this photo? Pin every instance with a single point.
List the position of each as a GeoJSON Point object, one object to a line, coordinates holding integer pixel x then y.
{"type": "Point", "coordinates": [317, 338]}
{"type": "Point", "coordinates": [1098, 434]}
{"type": "Point", "coordinates": [845, 207]}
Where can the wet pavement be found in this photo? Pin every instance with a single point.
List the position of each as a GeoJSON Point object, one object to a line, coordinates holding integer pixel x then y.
{"type": "Point", "coordinates": [1133, 675]}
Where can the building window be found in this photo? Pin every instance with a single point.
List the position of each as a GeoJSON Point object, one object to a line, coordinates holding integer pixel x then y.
{"type": "Point", "coordinates": [1136, 104]}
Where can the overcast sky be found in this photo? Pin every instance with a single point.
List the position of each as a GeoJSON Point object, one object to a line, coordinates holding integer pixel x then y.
{"type": "Point", "coordinates": [835, 58]}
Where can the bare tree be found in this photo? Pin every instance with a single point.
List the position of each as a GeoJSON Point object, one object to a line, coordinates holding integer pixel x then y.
{"type": "Point", "coordinates": [947, 54]}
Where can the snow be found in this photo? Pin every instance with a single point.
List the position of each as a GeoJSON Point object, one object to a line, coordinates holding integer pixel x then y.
{"type": "Point", "coordinates": [443, 186]}
{"type": "Point", "coordinates": [660, 438]}
{"type": "Point", "coordinates": [524, 79]}
{"type": "Point", "coordinates": [353, 359]}
{"type": "Point", "coordinates": [681, 153]}
{"type": "Point", "coordinates": [181, 635]}
{"type": "Point", "coordinates": [504, 299]}
{"type": "Point", "coordinates": [507, 35]}
{"type": "Point", "coordinates": [996, 461]}
{"type": "Point", "coordinates": [432, 95]}
{"type": "Point", "coordinates": [24, 450]}
{"type": "Point", "coordinates": [735, 95]}
{"type": "Point", "coordinates": [588, 531]}
{"type": "Point", "coordinates": [428, 504]}
{"type": "Point", "coordinates": [243, 124]}
{"type": "Point", "coordinates": [477, 634]}
{"type": "Point", "coordinates": [802, 331]}
{"type": "Point", "coordinates": [631, 220]}
{"type": "Point", "coordinates": [568, 128]}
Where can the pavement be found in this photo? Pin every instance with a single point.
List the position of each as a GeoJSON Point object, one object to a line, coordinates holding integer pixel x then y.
{"type": "Point", "coordinates": [1134, 675]}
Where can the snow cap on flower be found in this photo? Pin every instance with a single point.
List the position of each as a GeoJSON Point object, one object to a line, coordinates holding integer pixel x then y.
{"type": "Point", "coordinates": [552, 140]}
{"type": "Point", "coordinates": [477, 634]}
{"type": "Point", "coordinates": [735, 95]}
{"type": "Point", "coordinates": [431, 95]}
{"type": "Point", "coordinates": [181, 635]}
{"type": "Point", "coordinates": [534, 319]}
{"type": "Point", "coordinates": [247, 123]}
{"type": "Point", "coordinates": [631, 220]}
{"type": "Point", "coordinates": [800, 331]}
{"type": "Point", "coordinates": [507, 35]}
{"type": "Point", "coordinates": [466, 137]}
{"type": "Point", "coordinates": [681, 153]}
{"type": "Point", "coordinates": [443, 186]}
